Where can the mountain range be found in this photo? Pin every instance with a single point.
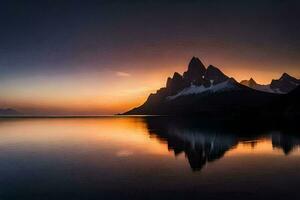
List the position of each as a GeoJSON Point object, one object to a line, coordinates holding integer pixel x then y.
{"type": "Point", "coordinates": [283, 85]}
{"type": "Point", "coordinates": [208, 92]}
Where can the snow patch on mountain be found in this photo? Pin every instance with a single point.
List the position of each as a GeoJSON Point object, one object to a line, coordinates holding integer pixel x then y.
{"type": "Point", "coordinates": [283, 85]}
{"type": "Point", "coordinates": [221, 87]}
{"type": "Point", "coordinates": [267, 88]}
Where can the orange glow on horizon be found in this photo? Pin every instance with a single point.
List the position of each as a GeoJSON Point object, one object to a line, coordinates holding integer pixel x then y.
{"type": "Point", "coordinates": [108, 92]}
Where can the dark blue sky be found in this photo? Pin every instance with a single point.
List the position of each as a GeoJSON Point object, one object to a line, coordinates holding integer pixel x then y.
{"type": "Point", "coordinates": [38, 34]}
{"type": "Point", "coordinates": [57, 38]}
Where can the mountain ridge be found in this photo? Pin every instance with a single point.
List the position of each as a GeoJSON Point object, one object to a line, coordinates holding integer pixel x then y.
{"type": "Point", "coordinates": [285, 84]}
{"type": "Point", "coordinates": [204, 91]}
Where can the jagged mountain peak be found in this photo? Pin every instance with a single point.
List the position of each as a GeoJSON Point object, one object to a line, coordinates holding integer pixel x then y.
{"type": "Point", "coordinates": [210, 93]}
{"type": "Point", "coordinates": [249, 83]}
{"type": "Point", "coordinates": [195, 63]}
{"type": "Point", "coordinates": [175, 84]}
{"type": "Point", "coordinates": [200, 90]}
{"type": "Point", "coordinates": [196, 70]}
{"type": "Point", "coordinates": [286, 76]}
{"type": "Point", "coordinates": [215, 75]}
{"type": "Point", "coordinates": [176, 75]}
{"type": "Point", "coordinates": [252, 80]}
{"type": "Point", "coordinates": [169, 82]}
{"type": "Point", "coordinates": [285, 83]}
{"type": "Point", "coordinates": [197, 75]}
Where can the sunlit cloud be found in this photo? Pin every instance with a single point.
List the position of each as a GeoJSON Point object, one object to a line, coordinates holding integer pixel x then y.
{"type": "Point", "coordinates": [123, 74]}
{"type": "Point", "coordinates": [124, 153]}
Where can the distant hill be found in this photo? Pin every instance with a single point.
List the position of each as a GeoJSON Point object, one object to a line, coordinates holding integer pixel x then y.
{"type": "Point", "coordinates": [8, 112]}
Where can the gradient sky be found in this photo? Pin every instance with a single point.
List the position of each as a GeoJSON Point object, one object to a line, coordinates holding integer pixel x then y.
{"type": "Point", "coordinates": [105, 57]}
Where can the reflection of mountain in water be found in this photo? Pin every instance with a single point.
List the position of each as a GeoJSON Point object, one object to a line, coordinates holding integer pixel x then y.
{"type": "Point", "coordinates": [200, 147]}
{"type": "Point", "coordinates": [204, 142]}
{"type": "Point", "coordinates": [285, 142]}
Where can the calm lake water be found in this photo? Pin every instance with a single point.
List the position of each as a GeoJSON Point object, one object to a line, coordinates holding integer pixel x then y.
{"type": "Point", "coordinates": [145, 158]}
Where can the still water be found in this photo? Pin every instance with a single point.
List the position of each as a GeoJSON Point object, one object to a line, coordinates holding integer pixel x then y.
{"type": "Point", "coordinates": [145, 158]}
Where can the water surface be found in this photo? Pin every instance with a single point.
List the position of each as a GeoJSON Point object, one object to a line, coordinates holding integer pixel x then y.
{"type": "Point", "coordinates": [145, 158]}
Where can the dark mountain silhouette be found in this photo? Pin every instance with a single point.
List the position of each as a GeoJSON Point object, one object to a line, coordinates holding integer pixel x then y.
{"type": "Point", "coordinates": [207, 92]}
{"type": "Point", "coordinates": [249, 83]}
{"type": "Point", "coordinates": [195, 72]}
{"type": "Point", "coordinates": [283, 85]}
{"type": "Point", "coordinates": [8, 112]}
{"type": "Point", "coordinates": [214, 74]}
{"type": "Point", "coordinates": [254, 85]}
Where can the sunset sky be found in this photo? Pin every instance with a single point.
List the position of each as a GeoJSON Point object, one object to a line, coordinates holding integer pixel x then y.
{"type": "Point", "coordinates": [105, 57]}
